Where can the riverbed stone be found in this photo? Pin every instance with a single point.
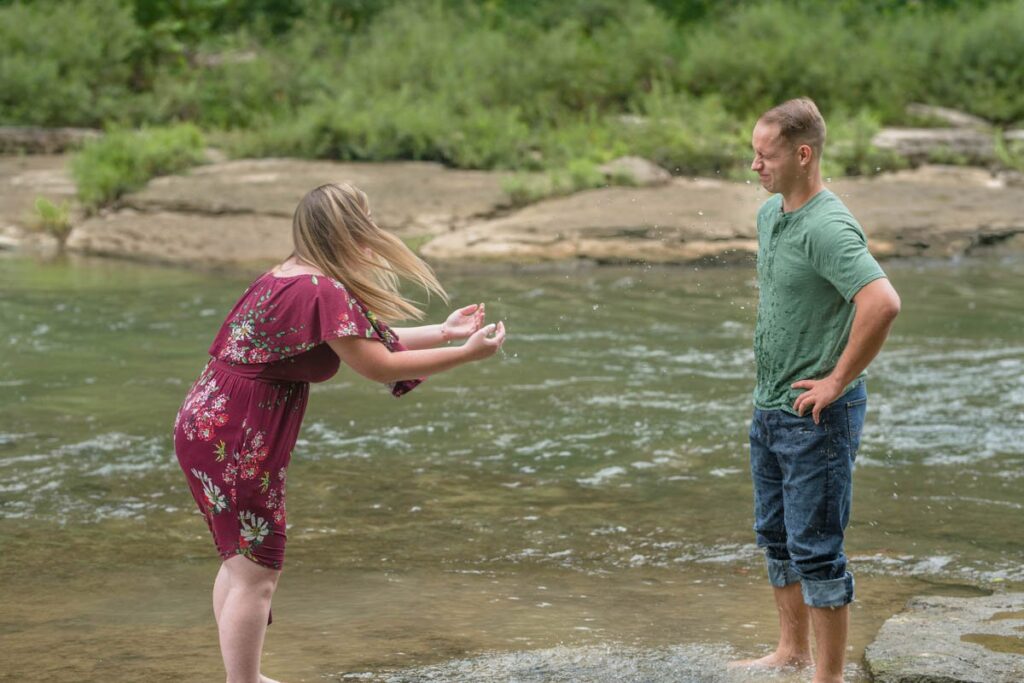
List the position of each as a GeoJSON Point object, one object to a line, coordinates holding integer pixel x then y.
{"type": "Point", "coordinates": [950, 117]}
{"type": "Point", "coordinates": [952, 640]}
{"type": "Point", "coordinates": [169, 237]}
{"type": "Point", "coordinates": [406, 197]}
{"type": "Point", "coordinates": [687, 220]}
{"type": "Point", "coordinates": [636, 170]}
{"type": "Point", "coordinates": [919, 145]}
{"type": "Point", "coordinates": [933, 211]}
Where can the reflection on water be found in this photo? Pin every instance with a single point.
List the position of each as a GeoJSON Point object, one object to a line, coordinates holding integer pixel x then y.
{"type": "Point", "coordinates": [579, 503]}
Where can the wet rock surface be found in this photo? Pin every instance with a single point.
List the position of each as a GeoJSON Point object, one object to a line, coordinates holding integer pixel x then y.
{"type": "Point", "coordinates": [592, 664]}
{"type": "Point", "coordinates": [952, 640]}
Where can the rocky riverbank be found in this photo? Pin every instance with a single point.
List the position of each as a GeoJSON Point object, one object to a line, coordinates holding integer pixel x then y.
{"type": "Point", "coordinates": [238, 212]}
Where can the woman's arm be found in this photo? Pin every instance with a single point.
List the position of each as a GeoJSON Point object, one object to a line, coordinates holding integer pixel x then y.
{"type": "Point", "coordinates": [372, 360]}
{"type": "Point", "coordinates": [423, 337]}
{"type": "Point", "coordinates": [459, 325]}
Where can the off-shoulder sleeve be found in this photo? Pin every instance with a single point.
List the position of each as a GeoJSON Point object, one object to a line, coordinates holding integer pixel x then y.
{"type": "Point", "coordinates": [337, 313]}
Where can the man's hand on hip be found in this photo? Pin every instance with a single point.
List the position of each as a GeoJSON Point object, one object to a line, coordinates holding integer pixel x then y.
{"type": "Point", "coordinates": [819, 395]}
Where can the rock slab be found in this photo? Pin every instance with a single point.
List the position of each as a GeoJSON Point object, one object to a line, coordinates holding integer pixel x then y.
{"type": "Point", "coordinates": [952, 640]}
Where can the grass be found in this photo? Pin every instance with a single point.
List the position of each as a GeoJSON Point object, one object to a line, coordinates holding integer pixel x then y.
{"type": "Point", "coordinates": [53, 219]}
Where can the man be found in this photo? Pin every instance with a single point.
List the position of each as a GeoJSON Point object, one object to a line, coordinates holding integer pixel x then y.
{"type": "Point", "coordinates": [825, 310]}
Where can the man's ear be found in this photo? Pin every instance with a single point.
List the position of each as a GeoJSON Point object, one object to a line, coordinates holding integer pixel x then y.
{"type": "Point", "coordinates": [804, 154]}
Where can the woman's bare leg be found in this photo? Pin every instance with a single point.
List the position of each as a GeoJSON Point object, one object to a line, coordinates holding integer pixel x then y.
{"type": "Point", "coordinates": [220, 591]}
{"type": "Point", "coordinates": [242, 618]}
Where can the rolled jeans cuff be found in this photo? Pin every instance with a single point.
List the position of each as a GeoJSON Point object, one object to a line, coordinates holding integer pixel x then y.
{"type": "Point", "coordinates": [781, 572]}
{"type": "Point", "coordinates": [828, 593]}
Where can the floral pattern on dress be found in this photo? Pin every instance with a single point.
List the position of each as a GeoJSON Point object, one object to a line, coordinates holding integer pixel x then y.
{"type": "Point", "coordinates": [237, 468]}
{"type": "Point", "coordinates": [253, 529]}
{"type": "Point", "coordinates": [275, 497]}
{"type": "Point", "coordinates": [216, 502]}
{"type": "Point", "coordinates": [252, 453]}
{"type": "Point", "coordinates": [249, 342]}
{"type": "Point", "coordinates": [204, 410]}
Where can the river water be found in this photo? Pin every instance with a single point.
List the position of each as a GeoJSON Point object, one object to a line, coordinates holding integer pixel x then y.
{"type": "Point", "coordinates": [578, 508]}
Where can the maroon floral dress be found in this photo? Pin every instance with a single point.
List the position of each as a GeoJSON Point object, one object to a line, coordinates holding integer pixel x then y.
{"type": "Point", "coordinates": [235, 432]}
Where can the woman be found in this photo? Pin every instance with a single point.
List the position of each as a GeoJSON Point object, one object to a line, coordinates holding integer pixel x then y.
{"type": "Point", "coordinates": [294, 325]}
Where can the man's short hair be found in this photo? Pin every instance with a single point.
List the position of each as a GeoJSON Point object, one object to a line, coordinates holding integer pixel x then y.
{"type": "Point", "coordinates": [799, 122]}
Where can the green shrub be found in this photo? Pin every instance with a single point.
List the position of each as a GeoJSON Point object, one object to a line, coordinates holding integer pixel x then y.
{"type": "Point", "coordinates": [980, 67]}
{"type": "Point", "coordinates": [1010, 153]}
{"type": "Point", "coordinates": [122, 161]}
{"type": "Point", "coordinates": [66, 63]}
{"type": "Point", "coordinates": [528, 85]}
{"type": "Point", "coordinates": [765, 53]}
{"type": "Point", "coordinates": [527, 188]}
{"type": "Point", "coordinates": [53, 219]}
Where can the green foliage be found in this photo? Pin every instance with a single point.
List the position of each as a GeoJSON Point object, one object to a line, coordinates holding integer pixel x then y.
{"type": "Point", "coordinates": [122, 160]}
{"type": "Point", "coordinates": [1010, 153]}
{"type": "Point", "coordinates": [53, 219]}
{"type": "Point", "coordinates": [527, 188]}
{"type": "Point", "coordinates": [981, 68]}
{"type": "Point", "coordinates": [528, 85]}
{"type": "Point", "coordinates": [65, 63]}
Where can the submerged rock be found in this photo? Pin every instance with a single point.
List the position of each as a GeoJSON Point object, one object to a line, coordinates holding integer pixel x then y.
{"type": "Point", "coordinates": [591, 664]}
{"type": "Point", "coordinates": [952, 640]}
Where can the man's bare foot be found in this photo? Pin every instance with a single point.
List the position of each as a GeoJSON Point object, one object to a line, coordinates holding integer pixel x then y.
{"type": "Point", "coordinates": [776, 660]}
{"type": "Point", "coordinates": [265, 679]}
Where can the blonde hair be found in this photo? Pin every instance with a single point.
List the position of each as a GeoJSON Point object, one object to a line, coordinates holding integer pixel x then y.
{"type": "Point", "coordinates": [799, 122]}
{"type": "Point", "coordinates": [333, 231]}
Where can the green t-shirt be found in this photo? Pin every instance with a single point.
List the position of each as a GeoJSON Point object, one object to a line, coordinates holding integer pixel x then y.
{"type": "Point", "coordinates": [810, 264]}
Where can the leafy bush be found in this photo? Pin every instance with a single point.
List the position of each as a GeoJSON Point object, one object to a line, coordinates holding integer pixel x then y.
{"type": "Point", "coordinates": [53, 219]}
{"type": "Point", "coordinates": [529, 85]}
{"type": "Point", "coordinates": [66, 63]}
{"type": "Point", "coordinates": [980, 68]}
{"type": "Point", "coordinates": [122, 160]}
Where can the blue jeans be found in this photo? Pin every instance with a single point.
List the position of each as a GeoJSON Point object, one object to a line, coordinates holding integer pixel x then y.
{"type": "Point", "coordinates": [802, 492]}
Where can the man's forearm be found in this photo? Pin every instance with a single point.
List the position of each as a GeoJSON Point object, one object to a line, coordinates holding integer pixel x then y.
{"type": "Point", "coordinates": [871, 324]}
{"type": "Point", "coordinates": [867, 336]}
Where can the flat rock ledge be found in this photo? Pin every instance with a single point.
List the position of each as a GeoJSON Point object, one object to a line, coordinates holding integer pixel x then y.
{"type": "Point", "coordinates": [239, 213]}
{"type": "Point", "coordinates": [952, 640]}
{"type": "Point", "coordinates": [931, 212]}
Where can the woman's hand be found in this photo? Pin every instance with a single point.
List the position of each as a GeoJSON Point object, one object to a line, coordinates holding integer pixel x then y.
{"type": "Point", "coordinates": [485, 342]}
{"type": "Point", "coordinates": [462, 323]}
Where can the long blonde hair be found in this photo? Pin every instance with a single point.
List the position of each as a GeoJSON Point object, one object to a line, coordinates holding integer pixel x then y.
{"type": "Point", "coordinates": [333, 231]}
